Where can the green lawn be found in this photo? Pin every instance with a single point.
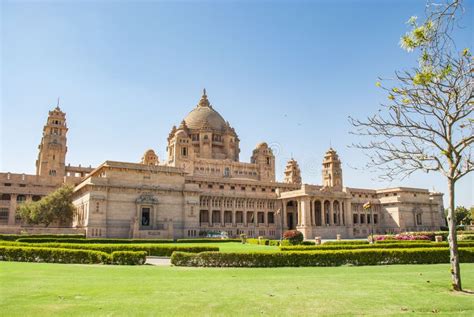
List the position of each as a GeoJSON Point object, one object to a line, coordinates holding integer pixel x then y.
{"type": "Point", "coordinates": [37, 289]}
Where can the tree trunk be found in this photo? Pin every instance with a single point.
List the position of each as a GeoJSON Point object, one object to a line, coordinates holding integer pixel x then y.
{"type": "Point", "coordinates": [453, 242]}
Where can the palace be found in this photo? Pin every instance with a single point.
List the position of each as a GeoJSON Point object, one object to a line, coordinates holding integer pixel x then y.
{"type": "Point", "coordinates": [202, 187]}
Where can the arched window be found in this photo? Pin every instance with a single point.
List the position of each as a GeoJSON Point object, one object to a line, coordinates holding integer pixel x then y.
{"type": "Point", "coordinates": [20, 198]}
{"type": "Point", "coordinates": [36, 198]}
{"type": "Point", "coordinates": [6, 196]}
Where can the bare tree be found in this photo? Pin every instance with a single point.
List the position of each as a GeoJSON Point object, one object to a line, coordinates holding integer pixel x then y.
{"type": "Point", "coordinates": [427, 124]}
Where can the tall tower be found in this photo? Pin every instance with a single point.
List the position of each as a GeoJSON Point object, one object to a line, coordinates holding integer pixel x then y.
{"type": "Point", "coordinates": [332, 171]}
{"type": "Point", "coordinates": [52, 150]}
{"type": "Point", "coordinates": [292, 173]}
{"type": "Point", "coordinates": [263, 156]}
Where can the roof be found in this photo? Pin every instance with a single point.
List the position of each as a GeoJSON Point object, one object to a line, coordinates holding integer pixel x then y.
{"type": "Point", "coordinates": [204, 116]}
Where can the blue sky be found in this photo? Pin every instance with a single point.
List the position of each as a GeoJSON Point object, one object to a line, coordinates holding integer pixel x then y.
{"type": "Point", "coordinates": [285, 72]}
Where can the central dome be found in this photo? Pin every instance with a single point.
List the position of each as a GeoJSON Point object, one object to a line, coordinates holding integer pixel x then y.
{"type": "Point", "coordinates": [204, 116]}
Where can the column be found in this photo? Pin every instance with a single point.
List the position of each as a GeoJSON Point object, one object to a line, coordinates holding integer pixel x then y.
{"type": "Point", "coordinates": [311, 212]}
{"type": "Point", "coordinates": [331, 212]}
{"type": "Point", "coordinates": [283, 210]}
{"type": "Point", "coordinates": [304, 207]}
{"type": "Point", "coordinates": [323, 213]}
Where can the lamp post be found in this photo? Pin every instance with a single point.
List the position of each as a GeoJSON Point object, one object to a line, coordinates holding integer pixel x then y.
{"type": "Point", "coordinates": [366, 206]}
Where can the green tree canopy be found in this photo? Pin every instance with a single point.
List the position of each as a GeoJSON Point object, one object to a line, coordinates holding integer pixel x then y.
{"type": "Point", "coordinates": [56, 207]}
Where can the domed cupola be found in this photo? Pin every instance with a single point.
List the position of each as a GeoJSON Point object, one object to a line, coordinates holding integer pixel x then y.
{"type": "Point", "coordinates": [211, 137]}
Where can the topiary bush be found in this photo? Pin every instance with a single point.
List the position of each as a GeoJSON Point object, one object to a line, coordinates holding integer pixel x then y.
{"type": "Point", "coordinates": [378, 245]}
{"type": "Point", "coordinates": [294, 237]}
{"type": "Point", "coordinates": [128, 257]}
{"type": "Point", "coordinates": [320, 258]}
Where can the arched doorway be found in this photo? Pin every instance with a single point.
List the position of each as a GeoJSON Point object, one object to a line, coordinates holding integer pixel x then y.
{"type": "Point", "coordinates": [292, 214]}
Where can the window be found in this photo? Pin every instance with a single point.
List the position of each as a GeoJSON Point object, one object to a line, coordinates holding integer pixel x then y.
{"type": "Point", "coordinates": [369, 219]}
{"type": "Point", "coordinates": [232, 187]}
{"type": "Point", "coordinates": [261, 217]}
{"type": "Point", "coordinates": [209, 186]}
{"type": "Point", "coordinates": [22, 185]}
{"type": "Point", "coordinates": [184, 151]}
{"type": "Point", "coordinates": [203, 216]}
{"type": "Point", "coordinates": [221, 186]}
{"type": "Point", "coordinates": [376, 219]}
{"type": "Point", "coordinates": [5, 197]}
{"type": "Point", "coordinates": [216, 216]}
{"type": "Point", "coordinates": [271, 217]}
{"type": "Point", "coordinates": [362, 218]}
{"type": "Point", "coordinates": [52, 172]}
{"type": "Point", "coordinates": [263, 189]}
{"type": "Point", "coordinates": [228, 216]}
{"type": "Point", "coordinates": [239, 217]}
{"type": "Point", "coordinates": [250, 217]}
{"type": "Point", "coordinates": [242, 188]}
{"type": "Point", "coordinates": [253, 189]}
{"type": "Point", "coordinates": [4, 212]}
{"type": "Point", "coordinates": [226, 172]}
{"type": "Point", "coordinates": [36, 198]}
{"type": "Point", "coordinates": [268, 161]}
{"type": "Point", "coordinates": [419, 221]}
{"type": "Point", "coordinates": [8, 184]}
{"type": "Point", "coordinates": [145, 216]}
{"type": "Point", "coordinates": [355, 218]}
{"type": "Point", "coordinates": [21, 198]}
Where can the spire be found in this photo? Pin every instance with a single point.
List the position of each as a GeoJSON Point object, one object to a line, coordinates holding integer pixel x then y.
{"type": "Point", "coordinates": [57, 106]}
{"type": "Point", "coordinates": [204, 102]}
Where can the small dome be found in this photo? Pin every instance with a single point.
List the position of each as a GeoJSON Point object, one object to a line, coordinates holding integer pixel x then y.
{"type": "Point", "coordinates": [204, 116]}
{"type": "Point", "coordinates": [262, 144]}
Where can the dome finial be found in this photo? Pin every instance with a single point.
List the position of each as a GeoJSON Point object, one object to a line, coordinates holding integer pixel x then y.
{"type": "Point", "coordinates": [204, 102]}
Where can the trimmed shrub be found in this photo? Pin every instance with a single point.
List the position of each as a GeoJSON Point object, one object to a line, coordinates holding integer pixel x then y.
{"type": "Point", "coordinates": [293, 236]}
{"type": "Point", "coordinates": [150, 249]}
{"type": "Point", "coordinates": [378, 245]}
{"type": "Point", "coordinates": [128, 257]}
{"type": "Point", "coordinates": [346, 242]}
{"type": "Point", "coordinates": [206, 240]}
{"type": "Point", "coordinates": [264, 242]}
{"type": "Point", "coordinates": [13, 237]}
{"type": "Point", "coordinates": [94, 240]}
{"type": "Point", "coordinates": [52, 255]}
{"type": "Point", "coordinates": [320, 258]}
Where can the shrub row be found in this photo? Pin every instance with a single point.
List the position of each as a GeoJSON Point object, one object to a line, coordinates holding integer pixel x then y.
{"type": "Point", "coordinates": [59, 255]}
{"type": "Point", "coordinates": [13, 237]}
{"type": "Point", "coordinates": [206, 240]}
{"type": "Point", "coordinates": [94, 240]}
{"type": "Point", "coordinates": [346, 242]}
{"type": "Point", "coordinates": [377, 245]}
{"type": "Point", "coordinates": [320, 258]}
{"type": "Point", "coordinates": [150, 249]}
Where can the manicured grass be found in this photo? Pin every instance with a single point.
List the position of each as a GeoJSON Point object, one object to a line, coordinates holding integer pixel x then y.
{"type": "Point", "coordinates": [37, 289]}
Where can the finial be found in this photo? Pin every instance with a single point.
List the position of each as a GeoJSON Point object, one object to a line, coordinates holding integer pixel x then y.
{"type": "Point", "coordinates": [204, 102]}
{"type": "Point", "coordinates": [57, 105]}
{"type": "Point", "coordinates": [204, 92]}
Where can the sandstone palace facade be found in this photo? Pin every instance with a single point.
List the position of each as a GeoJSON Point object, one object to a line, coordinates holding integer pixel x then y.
{"type": "Point", "coordinates": [202, 187]}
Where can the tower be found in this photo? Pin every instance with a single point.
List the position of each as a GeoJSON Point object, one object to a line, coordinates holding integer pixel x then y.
{"type": "Point", "coordinates": [332, 171]}
{"type": "Point", "coordinates": [292, 173]}
{"type": "Point", "coordinates": [150, 158]}
{"type": "Point", "coordinates": [263, 156]}
{"type": "Point", "coordinates": [52, 149]}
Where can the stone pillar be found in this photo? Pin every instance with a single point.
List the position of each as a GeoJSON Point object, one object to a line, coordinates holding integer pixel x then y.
{"type": "Point", "coordinates": [12, 210]}
{"type": "Point", "coordinates": [209, 213]}
{"type": "Point", "coordinates": [305, 212]}
{"type": "Point", "coordinates": [323, 214]}
{"type": "Point", "coordinates": [234, 223]}
{"type": "Point", "coordinates": [283, 210]}
{"type": "Point", "coordinates": [331, 212]}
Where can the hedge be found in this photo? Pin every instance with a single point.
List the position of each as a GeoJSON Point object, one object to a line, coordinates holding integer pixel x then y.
{"type": "Point", "coordinates": [206, 240]}
{"type": "Point", "coordinates": [150, 249]}
{"type": "Point", "coordinates": [128, 257]}
{"type": "Point", "coordinates": [377, 245]}
{"type": "Point", "coordinates": [320, 258]}
{"type": "Point", "coordinates": [59, 255]}
{"type": "Point", "coordinates": [347, 242]}
{"type": "Point", "coordinates": [94, 240]}
{"type": "Point", "coordinates": [52, 255]}
{"type": "Point", "coordinates": [13, 237]}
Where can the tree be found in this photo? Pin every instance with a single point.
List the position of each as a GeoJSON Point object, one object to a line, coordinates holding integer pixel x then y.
{"type": "Point", "coordinates": [463, 216]}
{"type": "Point", "coordinates": [56, 207]}
{"type": "Point", "coordinates": [427, 123]}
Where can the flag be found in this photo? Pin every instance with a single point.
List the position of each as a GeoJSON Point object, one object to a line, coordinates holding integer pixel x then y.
{"type": "Point", "coordinates": [367, 205]}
